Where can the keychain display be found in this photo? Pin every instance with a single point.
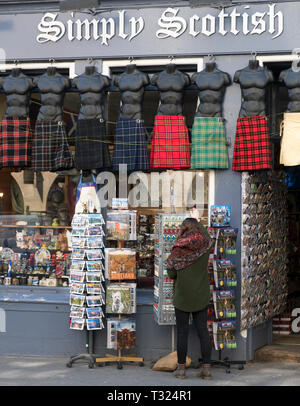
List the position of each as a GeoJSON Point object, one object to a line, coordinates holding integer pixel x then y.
{"type": "Point", "coordinates": [264, 247]}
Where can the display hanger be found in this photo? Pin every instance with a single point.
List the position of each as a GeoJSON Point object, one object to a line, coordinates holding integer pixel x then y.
{"type": "Point", "coordinates": [131, 59]}
{"type": "Point", "coordinates": [211, 58]}
{"type": "Point", "coordinates": [253, 54]}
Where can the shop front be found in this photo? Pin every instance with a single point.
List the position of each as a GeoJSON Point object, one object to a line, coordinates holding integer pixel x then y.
{"type": "Point", "coordinates": [70, 75]}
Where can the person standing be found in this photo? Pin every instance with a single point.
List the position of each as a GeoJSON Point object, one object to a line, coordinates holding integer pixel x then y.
{"type": "Point", "coordinates": [187, 266]}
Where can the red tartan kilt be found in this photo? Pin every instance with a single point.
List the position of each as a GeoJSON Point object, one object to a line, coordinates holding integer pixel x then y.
{"type": "Point", "coordinates": [252, 148]}
{"type": "Point", "coordinates": [170, 143]}
{"type": "Point", "coordinates": [15, 142]}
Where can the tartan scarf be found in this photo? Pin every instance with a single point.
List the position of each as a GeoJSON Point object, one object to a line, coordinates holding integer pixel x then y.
{"type": "Point", "coordinates": [188, 249]}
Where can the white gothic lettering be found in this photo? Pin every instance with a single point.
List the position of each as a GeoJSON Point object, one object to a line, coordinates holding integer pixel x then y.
{"type": "Point", "coordinates": [171, 25]}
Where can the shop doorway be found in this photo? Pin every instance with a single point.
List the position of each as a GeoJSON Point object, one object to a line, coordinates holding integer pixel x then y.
{"type": "Point", "coordinates": [285, 327]}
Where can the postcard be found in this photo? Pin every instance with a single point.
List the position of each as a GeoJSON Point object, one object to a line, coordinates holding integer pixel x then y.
{"type": "Point", "coordinates": [76, 276]}
{"type": "Point", "coordinates": [77, 265]}
{"type": "Point", "coordinates": [93, 277]}
{"type": "Point", "coordinates": [77, 288]}
{"type": "Point", "coordinates": [94, 324]}
{"type": "Point", "coordinates": [78, 254]}
{"type": "Point", "coordinates": [220, 216]}
{"type": "Point", "coordinates": [94, 312]}
{"type": "Point", "coordinates": [77, 312]}
{"type": "Point", "coordinates": [93, 288]}
{"type": "Point", "coordinates": [77, 300]}
{"type": "Point", "coordinates": [94, 301]}
{"type": "Point", "coordinates": [78, 242]}
{"type": "Point", "coordinates": [94, 242]}
{"type": "Point", "coordinates": [95, 219]}
{"type": "Point", "coordinates": [95, 231]}
{"type": "Point", "coordinates": [94, 254]}
{"type": "Point", "coordinates": [77, 324]}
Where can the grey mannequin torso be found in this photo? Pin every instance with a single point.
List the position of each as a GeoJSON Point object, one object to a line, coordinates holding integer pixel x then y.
{"type": "Point", "coordinates": [91, 86]}
{"type": "Point", "coordinates": [291, 80]}
{"type": "Point", "coordinates": [17, 88]}
{"type": "Point", "coordinates": [170, 83]}
{"type": "Point", "coordinates": [212, 84]}
{"type": "Point", "coordinates": [52, 86]}
{"type": "Point", "coordinates": [131, 84]}
{"type": "Point", "coordinates": [253, 82]}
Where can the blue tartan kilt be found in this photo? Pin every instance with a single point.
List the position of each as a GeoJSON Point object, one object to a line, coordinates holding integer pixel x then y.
{"type": "Point", "coordinates": [130, 145]}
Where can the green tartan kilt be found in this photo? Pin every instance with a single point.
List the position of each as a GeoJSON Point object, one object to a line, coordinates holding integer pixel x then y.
{"type": "Point", "coordinates": [209, 149]}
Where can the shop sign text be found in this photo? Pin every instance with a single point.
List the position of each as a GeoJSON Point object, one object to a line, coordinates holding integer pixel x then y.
{"type": "Point", "coordinates": [171, 24]}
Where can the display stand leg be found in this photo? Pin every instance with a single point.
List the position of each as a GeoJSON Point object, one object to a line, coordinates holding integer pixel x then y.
{"type": "Point", "coordinates": [226, 362]}
{"type": "Point", "coordinates": [88, 357]}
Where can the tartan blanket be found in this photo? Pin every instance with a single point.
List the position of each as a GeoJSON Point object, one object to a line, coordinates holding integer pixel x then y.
{"type": "Point", "coordinates": [252, 148]}
{"type": "Point", "coordinates": [91, 145]}
{"type": "Point", "coordinates": [15, 142]}
{"type": "Point", "coordinates": [170, 143]}
{"type": "Point", "coordinates": [209, 144]}
{"type": "Point", "coordinates": [130, 145]}
{"type": "Point", "coordinates": [50, 151]}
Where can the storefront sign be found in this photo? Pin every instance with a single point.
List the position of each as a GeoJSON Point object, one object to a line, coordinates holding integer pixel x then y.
{"type": "Point", "coordinates": [171, 24]}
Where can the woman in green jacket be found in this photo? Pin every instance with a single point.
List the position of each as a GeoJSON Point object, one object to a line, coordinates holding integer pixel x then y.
{"type": "Point", "coordinates": [187, 266]}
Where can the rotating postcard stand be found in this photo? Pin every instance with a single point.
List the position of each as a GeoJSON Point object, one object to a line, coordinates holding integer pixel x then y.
{"type": "Point", "coordinates": [120, 266]}
{"type": "Point", "coordinates": [87, 270]}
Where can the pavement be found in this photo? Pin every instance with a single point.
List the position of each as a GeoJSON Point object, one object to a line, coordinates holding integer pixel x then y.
{"type": "Point", "coordinates": [36, 371]}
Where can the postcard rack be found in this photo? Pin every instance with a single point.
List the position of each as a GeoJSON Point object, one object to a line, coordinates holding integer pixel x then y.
{"type": "Point", "coordinates": [87, 293]}
{"type": "Point", "coordinates": [120, 288]}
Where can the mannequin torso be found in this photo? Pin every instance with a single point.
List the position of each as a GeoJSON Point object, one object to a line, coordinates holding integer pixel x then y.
{"type": "Point", "coordinates": [17, 88]}
{"type": "Point", "coordinates": [52, 86]}
{"type": "Point", "coordinates": [211, 83]}
{"type": "Point", "coordinates": [253, 81]}
{"type": "Point", "coordinates": [131, 84]}
{"type": "Point", "coordinates": [91, 86]}
{"type": "Point", "coordinates": [291, 80]}
{"type": "Point", "coordinates": [170, 83]}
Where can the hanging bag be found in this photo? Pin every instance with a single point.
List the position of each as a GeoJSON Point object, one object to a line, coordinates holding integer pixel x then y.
{"type": "Point", "coordinates": [86, 197]}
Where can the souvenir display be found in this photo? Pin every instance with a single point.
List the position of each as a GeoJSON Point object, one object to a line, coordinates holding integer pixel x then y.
{"type": "Point", "coordinates": [220, 216]}
{"type": "Point", "coordinates": [264, 247]}
{"type": "Point", "coordinates": [121, 298]}
{"type": "Point", "coordinates": [145, 250]}
{"type": "Point", "coordinates": [40, 256]}
{"type": "Point", "coordinates": [121, 225]}
{"type": "Point", "coordinates": [166, 229]}
{"type": "Point", "coordinates": [120, 264]}
{"type": "Point", "coordinates": [222, 310]}
{"type": "Point", "coordinates": [121, 334]}
{"type": "Point", "coordinates": [87, 293]}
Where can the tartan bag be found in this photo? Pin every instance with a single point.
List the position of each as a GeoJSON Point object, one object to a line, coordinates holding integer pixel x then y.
{"type": "Point", "coordinates": [91, 145]}
{"type": "Point", "coordinates": [50, 147]}
{"type": "Point", "coordinates": [15, 142]}
{"type": "Point", "coordinates": [130, 145]}
{"type": "Point", "coordinates": [252, 148]}
{"type": "Point", "coordinates": [170, 143]}
{"type": "Point", "coordinates": [209, 149]}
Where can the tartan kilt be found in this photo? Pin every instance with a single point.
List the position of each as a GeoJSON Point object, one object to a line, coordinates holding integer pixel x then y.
{"type": "Point", "coordinates": [15, 142]}
{"type": "Point", "coordinates": [170, 143]}
{"type": "Point", "coordinates": [130, 145]}
{"type": "Point", "coordinates": [209, 149]}
{"type": "Point", "coordinates": [252, 148]}
{"type": "Point", "coordinates": [91, 145]}
{"type": "Point", "coordinates": [50, 150]}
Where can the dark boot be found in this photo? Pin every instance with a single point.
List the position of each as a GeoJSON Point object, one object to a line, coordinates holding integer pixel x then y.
{"type": "Point", "coordinates": [180, 371]}
{"type": "Point", "coordinates": [205, 372]}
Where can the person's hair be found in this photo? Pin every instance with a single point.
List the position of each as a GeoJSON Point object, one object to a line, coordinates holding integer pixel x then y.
{"type": "Point", "coordinates": [190, 224]}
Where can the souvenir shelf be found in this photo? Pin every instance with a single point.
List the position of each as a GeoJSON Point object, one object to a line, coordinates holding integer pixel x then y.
{"type": "Point", "coordinates": [87, 292]}
{"type": "Point", "coordinates": [264, 247]}
{"type": "Point", "coordinates": [120, 274]}
{"type": "Point", "coordinates": [166, 229]}
{"type": "Point", "coordinates": [35, 254]}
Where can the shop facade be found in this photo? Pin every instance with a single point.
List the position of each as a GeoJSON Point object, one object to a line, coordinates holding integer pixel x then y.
{"type": "Point", "coordinates": [34, 319]}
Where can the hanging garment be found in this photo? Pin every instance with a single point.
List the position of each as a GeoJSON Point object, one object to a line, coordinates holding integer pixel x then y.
{"type": "Point", "coordinates": [209, 149]}
{"type": "Point", "coordinates": [86, 197]}
{"type": "Point", "coordinates": [50, 147]}
{"type": "Point", "coordinates": [130, 145]}
{"type": "Point", "coordinates": [91, 145]}
{"type": "Point", "coordinates": [15, 142]}
{"type": "Point", "coordinates": [170, 143]}
{"type": "Point", "coordinates": [252, 148]}
{"type": "Point", "coordinates": [290, 139]}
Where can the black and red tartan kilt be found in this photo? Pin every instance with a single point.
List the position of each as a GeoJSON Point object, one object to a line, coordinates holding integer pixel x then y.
{"type": "Point", "coordinates": [50, 150]}
{"type": "Point", "coordinates": [252, 148]}
{"type": "Point", "coordinates": [170, 143]}
{"type": "Point", "coordinates": [15, 142]}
